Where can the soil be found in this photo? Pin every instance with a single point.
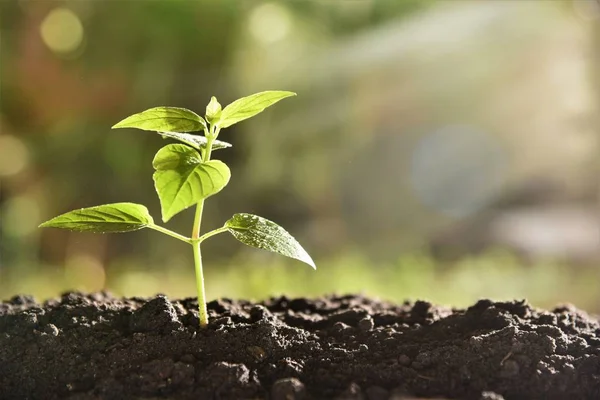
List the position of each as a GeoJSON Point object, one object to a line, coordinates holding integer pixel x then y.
{"type": "Point", "coordinates": [100, 347]}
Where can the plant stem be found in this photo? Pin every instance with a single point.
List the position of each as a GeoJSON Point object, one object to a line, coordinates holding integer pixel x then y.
{"type": "Point", "coordinates": [202, 311]}
{"type": "Point", "coordinates": [170, 233]}
{"type": "Point", "coordinates": [197, 220]}
{"type": "Point", "coordinates": [212, 233]}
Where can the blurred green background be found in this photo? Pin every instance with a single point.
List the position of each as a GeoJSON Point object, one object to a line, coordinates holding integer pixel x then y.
{"type": "Point", "coordinates": [437, 149]}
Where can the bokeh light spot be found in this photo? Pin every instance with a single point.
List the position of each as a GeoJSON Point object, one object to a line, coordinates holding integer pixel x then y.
{"type": "Point", "coordinates": [62, 31]}
{"type": "Point", "coordinates": [20, 216]}
{"type": "Point", "coordinates": [458, 170]}
{"type": "Point", "coordinates": [14, 155]}
{"type": "Point", "coordinates": [270, 22]}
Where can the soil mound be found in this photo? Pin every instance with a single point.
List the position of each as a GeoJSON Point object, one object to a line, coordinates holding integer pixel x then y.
{"type": "Point", "coordinates": [350, 347]}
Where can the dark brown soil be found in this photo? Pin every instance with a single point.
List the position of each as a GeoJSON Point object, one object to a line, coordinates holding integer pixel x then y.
{"type": "Point", "coordinates": [351, 347]}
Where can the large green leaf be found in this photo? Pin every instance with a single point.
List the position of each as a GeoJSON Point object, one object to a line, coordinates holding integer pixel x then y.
{"type": "Point", "coordinates": [196, 141]}
{"type": "Point", "coordinates": [261, 233]}
{"type": "Point", "coordinates": [249, 106]}
{"type": "Point", "coordinates": [182, 179]}
{"type": "Point", "coordinates": [164, 119]}
{"type": "Point", "coordinates": [108, 218]}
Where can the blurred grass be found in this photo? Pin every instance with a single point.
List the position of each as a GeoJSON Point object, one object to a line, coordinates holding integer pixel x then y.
{"type": "Point", "coordinates": [497, 275]}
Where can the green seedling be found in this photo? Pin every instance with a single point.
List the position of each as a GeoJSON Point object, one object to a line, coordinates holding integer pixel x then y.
{"type": "Point", "coordinates": [185, 176]}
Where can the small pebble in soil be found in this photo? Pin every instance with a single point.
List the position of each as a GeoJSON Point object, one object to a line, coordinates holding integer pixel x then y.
{"type": "Point", "coordinates": [260, 312]}
{"type": "Point", "coordinates": [490, 396]}
{"type": "Point", "coordinates": [339, 327]}
{"type": "Point", "coordinates": [257, 352]}
{"type": "Point", "coordinates": [366, 324]}
{"type": "Point", "coordinates": [423, 360]}
{"type": "Point", "coordinates": [288, 389]}
{"type": "Point", "coordinates": [389, 331]}
{"type": "Point", "coordinates": [404, 360]}
{"type": "Point", "coordinates": [188, 359]}
{"type": "Point", "coordinates": [353, 392]}
{"type": "Point", "coordinates": [568, 368]}
{"type": "Point", "coordinates": [51, 330]}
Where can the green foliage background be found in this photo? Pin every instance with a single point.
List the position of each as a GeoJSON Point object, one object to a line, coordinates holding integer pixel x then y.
{"type": "Point", "coordinates": [316, 164]}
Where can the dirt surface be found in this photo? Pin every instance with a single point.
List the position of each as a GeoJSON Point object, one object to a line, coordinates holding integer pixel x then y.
{"type": "Point", "coordinates": [100, 347]}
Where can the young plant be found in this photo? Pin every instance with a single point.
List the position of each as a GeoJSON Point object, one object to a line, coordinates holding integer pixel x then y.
{"type": "Point", "coordinates": [186, 176]}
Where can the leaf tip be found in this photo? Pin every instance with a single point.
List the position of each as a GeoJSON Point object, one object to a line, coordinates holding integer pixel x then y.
{"type": "Point", "coordinates": [307, 259]}
{"type": "Point", "coordinates": [167, 213]}
{"type": "Point", "coordinates": [48, 224]}
{"type": "Point", "coordinates": [117, 125]}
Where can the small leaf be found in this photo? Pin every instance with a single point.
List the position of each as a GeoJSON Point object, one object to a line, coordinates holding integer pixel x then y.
{"type": "Point", "coordinates": [261, 233]}
{"type": "Point", "coordinates": [196, 141]}
{"type": "Point", "coordinates": [213, 110]}
{"type": "Point", "coordinates": [249, 106]}
{"type": "Point", "coordinates": [165, 119]}
{"type": "Point", "coordinates": [108, 218]}
{"type": "Point", "coordinates": [182, 179]}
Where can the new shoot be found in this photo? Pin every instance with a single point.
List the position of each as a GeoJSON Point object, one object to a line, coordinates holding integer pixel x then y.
{"type": "Point", "coordinates": [185, 176]}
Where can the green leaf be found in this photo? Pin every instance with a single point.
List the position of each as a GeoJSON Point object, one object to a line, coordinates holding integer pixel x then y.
{"type": "Point", "coordinates": [196, 141]}
{"type": "Point", "coordinates": [108, 218]}
{"type": "Point", "coordinates": [165, 119]}
{"type": "Point", "coordinates": [261, 233]}
{"type": "Point", "coordinates": [249, 106]}
{"type": "Point", "coordinates": [213, 110]}
{"type": "Point", "coordinates": [182, 179]}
